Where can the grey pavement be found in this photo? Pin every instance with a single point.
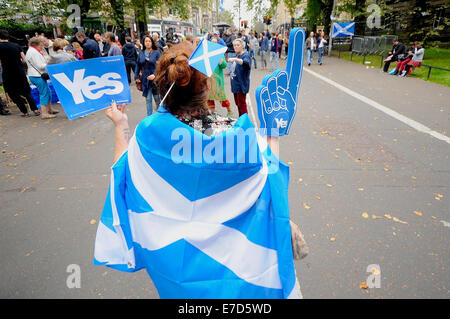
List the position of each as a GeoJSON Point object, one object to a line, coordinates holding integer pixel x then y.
{"type": "Point", "coordinates": [346, 159]}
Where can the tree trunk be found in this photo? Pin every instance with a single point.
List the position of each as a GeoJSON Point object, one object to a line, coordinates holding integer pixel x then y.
{"type": "Point", "coordinates": [360, 19]}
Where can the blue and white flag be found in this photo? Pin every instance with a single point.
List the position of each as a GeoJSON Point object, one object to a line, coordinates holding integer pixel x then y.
{"type": "Point", "coordinates": [207, 56]}
{"type": "Point", "coordinates": [343, 29]}
{"type": "Point", "coordinates": [210, 227]}
{"type": "Point", "coordinates": [87, 86]}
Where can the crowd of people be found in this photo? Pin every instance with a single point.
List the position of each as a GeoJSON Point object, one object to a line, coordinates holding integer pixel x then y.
{"type": "Point", "coordinates": [22, 66]}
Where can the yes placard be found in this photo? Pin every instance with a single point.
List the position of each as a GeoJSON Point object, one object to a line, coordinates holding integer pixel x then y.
{"type": "Point", "coordinates": [87, 86]}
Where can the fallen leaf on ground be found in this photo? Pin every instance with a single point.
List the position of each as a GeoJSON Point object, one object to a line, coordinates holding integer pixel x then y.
{"type": "Point", "coordinates": [317, 197]}
{"type": "Point", "coordinates": [363, 285]}
{"type": "Point", "coordinates": [446, 224]}
{"type": "Point", "coordinates": [386, 169]}
{"type": "Point", "coordinates": [413, 177]}
{"type": "Point", "coordinates": [324, 132]}
{"type": "Point", "coordinates": [91, 143]}
{"type": "Point", "coordinates": [434, 217]}
{"type": "Point", "coordinates": [306, 206]}
{"type": "Point", "coordinates": [93, 221]}
{"type": "Point", "coordinates": [365, 215]}
{"type": "Point", "coordinates": [329, 185]}
{"type": "Point", "coordinates": [399, 221]}
{"type": "Point", "coordinates": [417, 213]}
{"type": "Point", "coordinates": [360, 189]}
{"type": "Point", "coordinates": [376, 217]}
{"type": "Point", "coordinates": [388, 216]}
{"type": "Point", "coordinates": [333, 239]}
{"type": "Point", "coordinates": [61, 188]}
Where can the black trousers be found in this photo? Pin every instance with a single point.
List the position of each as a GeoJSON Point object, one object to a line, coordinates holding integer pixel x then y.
{"type": "Point", "coordinates": [386, 64]}
{"type": "Point", "coordinates": [129, 65]}
{"type": "Point", "coordinates": [17, 88]}
{"type": "Point", "coordinates": [18, 98]}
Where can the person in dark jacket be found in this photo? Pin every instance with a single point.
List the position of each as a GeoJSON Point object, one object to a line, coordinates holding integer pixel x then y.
{"type": "Point", "coordinates": [14, 77]}
{"type": "Point", "coordinates": [229, 37]}
{"type": "Point", "coordinates": [90, 47]}
{"type": "Point", "coordinates": [397, 53]}
{"type": "Point", "coordinates": [130, 56]}
{"type": "Point", "coordinates": [146, 64]}
{"type": "Point", "coordinates": [240, 75]}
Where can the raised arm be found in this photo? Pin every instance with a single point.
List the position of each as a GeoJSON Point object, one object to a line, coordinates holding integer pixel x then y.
{"type": "Point", "coordinates": [116, 113]}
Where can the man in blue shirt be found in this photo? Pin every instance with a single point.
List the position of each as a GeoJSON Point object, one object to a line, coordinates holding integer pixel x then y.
{"type": "Point", "coordinates": [240, 75]}
{"type": "Point", "coordinates": [219, 39]}
{"type": "Point", "coordinates": [274, 51]}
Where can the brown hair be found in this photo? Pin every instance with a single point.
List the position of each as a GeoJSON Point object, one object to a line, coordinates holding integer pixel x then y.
{"type": "Point", "coordinates": [191, 89]}
{"type": "Point", "coordinates": [60, 44]}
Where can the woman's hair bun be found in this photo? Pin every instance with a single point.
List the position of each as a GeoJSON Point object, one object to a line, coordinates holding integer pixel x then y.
{"type": "Point", "coordinates": [179, 70]}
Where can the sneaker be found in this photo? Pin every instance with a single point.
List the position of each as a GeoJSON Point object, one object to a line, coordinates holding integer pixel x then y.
{"type": "Point", "coordinates": [5, 112]}
{"type": "Point", "coordinates": [25, 115]}
{"type": "Point", "coordinates": [36, 113]}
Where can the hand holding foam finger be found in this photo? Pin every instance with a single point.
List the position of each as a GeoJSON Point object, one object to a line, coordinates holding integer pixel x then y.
{"type": "Point", "coordinates": [280, 90]}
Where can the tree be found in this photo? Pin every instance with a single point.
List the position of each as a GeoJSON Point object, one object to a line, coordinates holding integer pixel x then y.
{"type": "Point", "coordinates": [291, 5]}
{"type": "Point", "coordinates": [226, 16]}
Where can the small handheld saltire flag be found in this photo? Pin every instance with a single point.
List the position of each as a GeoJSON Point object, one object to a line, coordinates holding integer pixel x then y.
{"type": "Point", "coordinates": [343, 29]}
{"type": "Point", "coordinates": [207, 56]}
{"type": "Point", "coordinates": [223, 232]}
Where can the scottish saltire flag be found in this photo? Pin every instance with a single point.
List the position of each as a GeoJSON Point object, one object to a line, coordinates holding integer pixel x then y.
{"type": "Point", "coordinates": [205, 217]}
{"type": "Point", "coordinates": [343, 29]}
{"type": "Point", "coordinates": [207, 56]}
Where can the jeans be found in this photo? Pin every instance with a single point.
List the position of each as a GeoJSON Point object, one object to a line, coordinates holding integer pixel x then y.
{"type": "Point", "coordinates": [230, 55]}
{"type": "Point", "coordinates": [253, 56]}
{"type": "Point", "coordinates": [149, 102]}
{"type": "Point", "coordinates": [310, 54]}
{"type": "Point", "coordinates": [319, 50]}
{"type": "Point", "coordinates": [274, 56]}
{"type": "Point", "coordinates": [263, 59]}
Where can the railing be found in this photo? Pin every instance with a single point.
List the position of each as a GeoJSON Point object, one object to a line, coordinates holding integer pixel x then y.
{"type": "Point", "coordinates": [433, 67]}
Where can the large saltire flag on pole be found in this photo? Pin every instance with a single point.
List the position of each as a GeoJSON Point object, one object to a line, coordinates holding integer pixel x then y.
{"type": "Point", "coordinates": [207, 56]}
{"type": "Point", "coordinates": [343, 29]}
{"type": "Point", "coordinates": [206, 216]}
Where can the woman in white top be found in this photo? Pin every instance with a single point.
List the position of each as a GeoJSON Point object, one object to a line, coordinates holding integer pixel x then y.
{"type": "Point", "coordinates": [37, 63]}
{"type": "Point", "coordinates": [322, 42]}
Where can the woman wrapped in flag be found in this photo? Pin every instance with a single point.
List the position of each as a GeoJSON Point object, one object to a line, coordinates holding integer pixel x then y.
{"type": "Point", "coordinates": [198, 201]}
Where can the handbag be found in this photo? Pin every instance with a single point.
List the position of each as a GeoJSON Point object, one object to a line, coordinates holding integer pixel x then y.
{"type": "Point", "coordinates": [300, 248]}
{"type": "Point", "coordinates": [44, 75]}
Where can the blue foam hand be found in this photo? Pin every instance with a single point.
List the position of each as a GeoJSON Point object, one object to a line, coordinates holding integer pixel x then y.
{"type": "Point", "coordinates": [277, 96]}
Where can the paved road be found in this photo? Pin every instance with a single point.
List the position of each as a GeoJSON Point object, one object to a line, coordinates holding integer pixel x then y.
{"type": "Point", "coordinates": [347, 158]}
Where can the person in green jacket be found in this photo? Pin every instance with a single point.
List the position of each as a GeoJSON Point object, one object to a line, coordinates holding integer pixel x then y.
{"type": "Point", "coordinates": [217, 92]}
